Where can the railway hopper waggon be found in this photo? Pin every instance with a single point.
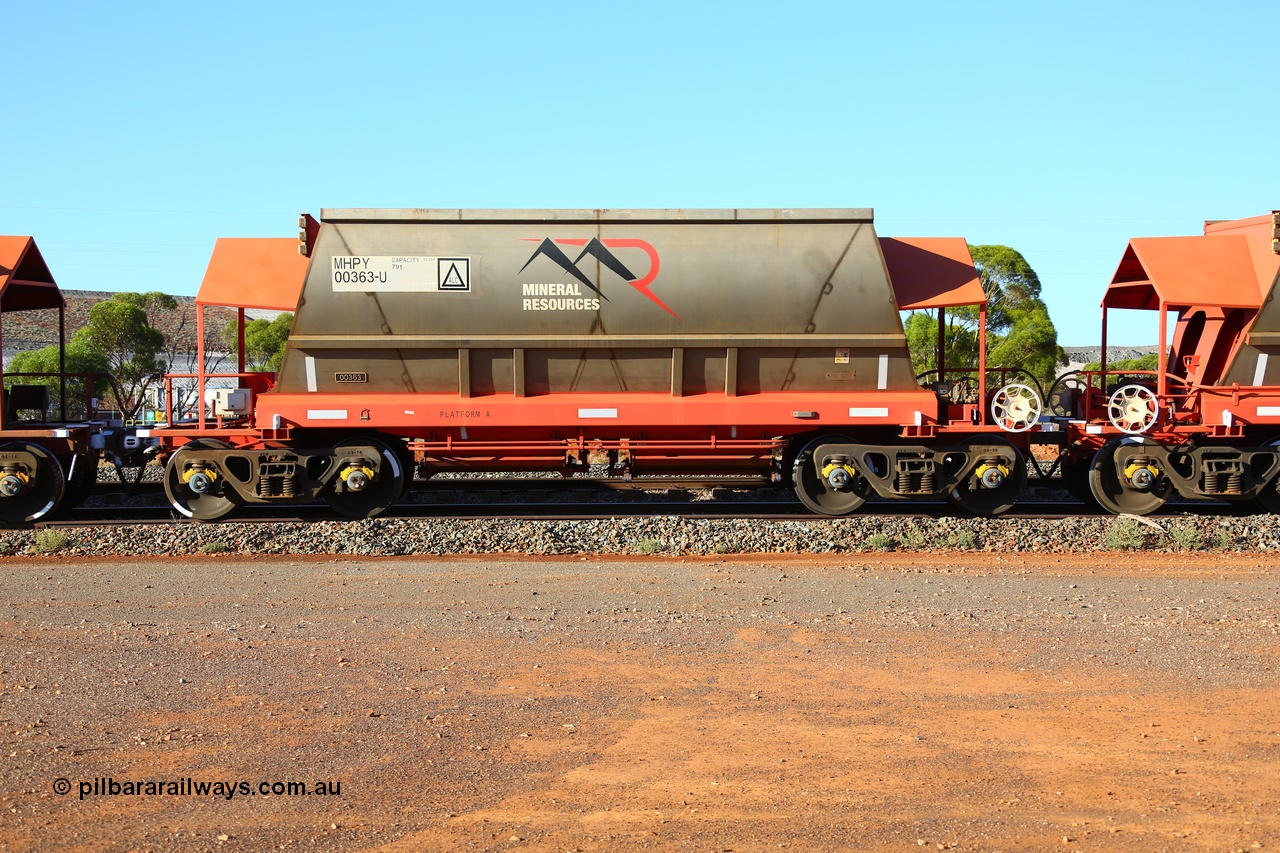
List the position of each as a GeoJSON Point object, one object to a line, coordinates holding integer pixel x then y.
{"type": "Point", "coordinates": [1205, 425]}
{"type": "Point", "coordinates": [650, 341]}
{"type": "Point", "coordinates": [47, 459]}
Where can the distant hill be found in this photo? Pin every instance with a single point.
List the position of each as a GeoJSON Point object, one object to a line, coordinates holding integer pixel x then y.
{"type": "Point", "coordinates": [1080, 356]}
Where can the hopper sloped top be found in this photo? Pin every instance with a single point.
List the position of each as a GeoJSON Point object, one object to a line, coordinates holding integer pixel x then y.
{"type": "Point", "coordinates": [25, 281]}
{"type": "Point", "coordinates": [932, 272]}
{"type": "Point", "coordinates": [1212, 271]}
{"type": "Point", "coordinates": [254, 272]}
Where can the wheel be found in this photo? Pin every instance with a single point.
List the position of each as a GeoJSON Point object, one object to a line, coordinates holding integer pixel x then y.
{"type": "Point", "coordinates": [1268, 499]}
{"type": "Point", "coordinates": [1065, 393]}
{"type": "Point", "coordinates": [826, 480]}
{"type": "Point", "coordinates": [1015, 408]}
{"type": "Point", "coordinates": [1125, 481]}
{"type": "Point", "coordinates": [217, 498]}
{"type": "Point", "coordinates": [1132, 409]}
{"type": "Point", "coordinates": [81, 475]}
{"type": "Point", "coordinates": [31, 482]}
{"type": "Point", "coordinates": [994, 486]}
{"type": "Point", "coordinates": [362, 495]}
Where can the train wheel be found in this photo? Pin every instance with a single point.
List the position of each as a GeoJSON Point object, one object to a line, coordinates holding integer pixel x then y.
{"type": "Point", "coordinates": [1268, 499]}
{"type": "Point", "coordinates": [993, 488]}
{"type": "Point", "coordinates": [363, 496]}
{"type": "Point", "coordinates": [197, 492]}
{"type": "Point", "coordinates": [27, 492]}
{"type": "Point", "coordinates": [1138, 489]}
{"type": "Point", "coordinates": [826, 480]}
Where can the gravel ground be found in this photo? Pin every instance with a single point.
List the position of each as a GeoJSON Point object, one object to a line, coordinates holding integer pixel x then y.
{"type": "Point", "coordinates": [646, 535]}
{"type": "Point", "coordinates": [657, 535]}
{"type": "Point", "coordinates": [971, 702]}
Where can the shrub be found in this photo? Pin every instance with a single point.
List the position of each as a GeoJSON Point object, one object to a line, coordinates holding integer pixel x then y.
{"type": "Point", "coordinates": [1125, 535]}
{"type": "Point", "coordinates": [913, 539]}
{"type": "Point", "coordinates": [880, 542]}
{"type": "Point", "coordinates": [1222, 538]}
{"type": "Point", "coordinates": [966, 539]}
{"type": "Point", "coordinates": [47, 541]}
{"type": "Point", "coordinates": [1187, 537]}
{"type": "Point", "coordinates": [646, 546]}
{"type": "Point", "coordinates": [214, 547]}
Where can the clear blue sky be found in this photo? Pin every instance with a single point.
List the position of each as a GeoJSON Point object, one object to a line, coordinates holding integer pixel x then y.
{"type": "Point", "coordinates": [136, 134]}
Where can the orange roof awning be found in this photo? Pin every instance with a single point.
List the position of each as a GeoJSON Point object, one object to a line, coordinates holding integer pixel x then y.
{"type": "Point", "coordinates": [25, 281]}
{"type": "Point", "coordinates": [254, 272]}
{"type": "Point", "coordinates": [932, 272]}
{"type": "Point", "coordinates": [1216, 271]}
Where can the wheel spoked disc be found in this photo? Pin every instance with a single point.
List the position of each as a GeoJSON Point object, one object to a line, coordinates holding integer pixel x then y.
{"type": "Point", "coordinates": [38, 492]}
{"type": "Point", "coordinates": [1016, 408]}
{"type": "Point", "coordinates": [214, 504]}
{"type": "Point", "coordinates": [971, 497]}
{"type": "Point", "coordinates": [1064, 394]}
{"type": "Point", "coordinates": [1132, 409]}
{"type": "Point", "coordinates": [381, 492]}
{"type": "Point", "coordinates": [821, 494]}
{"type": "Point", "coordinates": [1115, 494]}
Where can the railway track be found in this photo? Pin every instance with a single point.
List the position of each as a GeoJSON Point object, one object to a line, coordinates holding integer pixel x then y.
{"type": "Point", "coordinates": [556, 499]}
{"type": "Point", "coordinates": [574, 511]}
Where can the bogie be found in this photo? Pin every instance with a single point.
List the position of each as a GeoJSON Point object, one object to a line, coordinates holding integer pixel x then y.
{"type": "Point", "coordinates": [207, 479]}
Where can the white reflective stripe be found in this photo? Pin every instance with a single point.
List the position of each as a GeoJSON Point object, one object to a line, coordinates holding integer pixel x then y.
{"type": "Point", "coordinates": [597, 413]}
{"type": "Point", "coordinates": [326, 414]}
{"type": "Point", "coordinates": [733, 432]}
{"type": "Point", "coordinates": [869, 413]}
{"type": "Point", "coordinates": [62, 433]}
{"type": "Point", "coordinates": [919, 419]}
{"type": "Point", "coordinates": [882, 381]}
{"type": "Point", "coordinates": [1269, 411]}
{"type": "Point", "coordinates": [1227, 418]}
{"type": "Point", "coordinates": [464, 432]}
{"type": "Point", "coordinates": [144, 433]}
{"type": "Point", "coordinates": [311, 373]}
{"type": "Point", "coordinates": [1093, 429]}
{"type": "Point", "coordinates": [1260, 372]}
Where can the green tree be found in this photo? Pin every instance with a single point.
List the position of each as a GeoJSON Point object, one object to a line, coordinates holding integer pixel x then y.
{"type": "Point", "coordinates": [1024, 335]}
{"type": "Point", "coordinates": [961, 344]}
{"type": "Point", "coordinates": [1019, 330]}
{"type": "Point", "coordinates": [264, 341]}
{"type": "Point", "coordinates": [81, 359]}
{"type": "Point", "coordinates": [118, 329]}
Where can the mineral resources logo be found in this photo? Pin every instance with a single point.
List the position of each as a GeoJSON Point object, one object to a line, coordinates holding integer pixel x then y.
{"type": "Point", "coordinates": [568, 296]}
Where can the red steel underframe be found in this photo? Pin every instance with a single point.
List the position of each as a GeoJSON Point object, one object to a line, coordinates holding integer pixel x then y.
{"type": "Point", "coordinates": [706, 427]}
